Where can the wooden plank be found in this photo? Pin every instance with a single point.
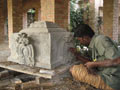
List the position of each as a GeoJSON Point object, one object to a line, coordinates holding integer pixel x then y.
{"type": "Point", "coordinates": [34, 70]}
{"type": "Point", "coordinates": [23, 69]}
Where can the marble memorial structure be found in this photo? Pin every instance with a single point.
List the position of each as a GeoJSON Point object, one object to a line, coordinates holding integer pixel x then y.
{"type": "Point", "coordinates": [43, 44]}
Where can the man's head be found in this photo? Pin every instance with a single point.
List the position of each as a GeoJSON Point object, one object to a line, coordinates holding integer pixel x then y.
{"type": "Point", "coordinates": [84, 33]}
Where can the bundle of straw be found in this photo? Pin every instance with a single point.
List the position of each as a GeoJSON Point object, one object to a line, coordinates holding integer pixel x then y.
{"type": "Point", "coordinates": [80, 73]}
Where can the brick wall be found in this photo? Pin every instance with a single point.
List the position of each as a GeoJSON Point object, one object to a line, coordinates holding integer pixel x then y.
{"type": "Point", "coordinates": [61, 12]}
{"type": "Point", "coordinates": [29, 4]}
{"type": "Point", "coordinates": [56, 11]}
{"type": "Point", "coordinates": [47, 10]}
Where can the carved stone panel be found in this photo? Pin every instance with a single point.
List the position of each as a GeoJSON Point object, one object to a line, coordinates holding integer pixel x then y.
{"type": "Point", "coordinates": [43, 44]}
{"type": "Point", "coordinates": [22, 51]}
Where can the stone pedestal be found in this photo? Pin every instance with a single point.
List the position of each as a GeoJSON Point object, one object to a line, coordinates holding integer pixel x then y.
{"type": "Point", "coordinates": [43, 44]}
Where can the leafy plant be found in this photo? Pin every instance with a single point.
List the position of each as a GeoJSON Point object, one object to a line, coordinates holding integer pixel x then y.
{"type": "Point", "coordinates": [77, 17]}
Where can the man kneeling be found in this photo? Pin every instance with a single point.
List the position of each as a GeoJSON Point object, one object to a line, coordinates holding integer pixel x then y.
{"type": "Point", "coordinates": [105, 60]}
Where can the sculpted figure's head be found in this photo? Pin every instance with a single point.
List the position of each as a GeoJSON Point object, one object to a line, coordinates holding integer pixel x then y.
{"type": "Point", "coordinates": [23, 39]}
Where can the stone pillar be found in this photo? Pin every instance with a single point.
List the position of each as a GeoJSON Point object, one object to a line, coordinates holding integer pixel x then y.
{"type": "Point", "coordinates": [39, 14]}
{"type": "Point", "coordinates": [25, 20]}
{"type": "Point", "coordinates": [55, 11]}
{"type": "Point", "coordinates": [36, 14]}
{"type": "Point", "coordinates": [110, 18]}
{"type": "Point", "coordinates": [98, 4]}
{"type": "Point", "coordinates": [116, 20]}
{"type": "Point", "coordinates": [14, 16]}
{"type": "Point", "coordinates": [119, 24]}
{"type": "Point", "coordinates": [2, 21]}
{"type": "Point", "coordinates": [47, 10]}
{"type": "Point", "coordinates": [61, 12]}
{"type": "Point", "coordinates": [92, 14]}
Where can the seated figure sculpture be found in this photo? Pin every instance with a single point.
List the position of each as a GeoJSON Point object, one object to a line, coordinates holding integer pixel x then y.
{"type": "Point", "coordinates": [25, 50]}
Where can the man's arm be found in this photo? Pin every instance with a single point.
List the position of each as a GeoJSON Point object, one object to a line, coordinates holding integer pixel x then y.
{"type": "Point", "coordinates": [82, 59]}
{"type": "Point", "coordinates": [78, 56]}
{"type": "Point", "coordinates": [105, 46]}
{"type": "Point", "coordinates": [105, 63]}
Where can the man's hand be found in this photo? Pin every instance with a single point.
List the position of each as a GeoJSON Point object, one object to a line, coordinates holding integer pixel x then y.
{"type": "Point", "coordinates": [90, 65]}
{"type": "Point", "coordinates": [72, 50]}
{"type": "Point", "coordinates": [78, 55]}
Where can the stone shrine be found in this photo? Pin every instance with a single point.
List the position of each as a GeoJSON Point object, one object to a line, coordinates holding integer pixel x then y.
{"type": "Point", "coordinates": [43, 44]}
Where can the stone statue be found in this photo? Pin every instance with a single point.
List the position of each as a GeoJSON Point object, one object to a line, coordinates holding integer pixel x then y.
{"type": "Point", "coordinates": [25, 50]}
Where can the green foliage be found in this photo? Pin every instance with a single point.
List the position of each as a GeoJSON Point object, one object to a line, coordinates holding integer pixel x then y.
{"type": "Point", "coordinates": [76, 17]}
{"type": "Point", "coordinates": [80, 15]}
{"type": "Point", "coordinates": [72, 5]}
{"type": "Point", "coordinates": [73, 1]}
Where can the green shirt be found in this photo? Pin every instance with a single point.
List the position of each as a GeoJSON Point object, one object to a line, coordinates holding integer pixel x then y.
{"type": "Point", "coordinates": [103, 48]}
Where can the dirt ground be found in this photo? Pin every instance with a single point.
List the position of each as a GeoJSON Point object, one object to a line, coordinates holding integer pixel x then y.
{"type": "Point", "coordinates": [65, 82]}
